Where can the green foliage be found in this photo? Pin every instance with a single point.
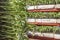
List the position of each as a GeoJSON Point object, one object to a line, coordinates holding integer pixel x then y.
{"type": "Point", "coordinates": [13, 21]}
{"type": "Point", "coordinates": [43, 29]}
{"type": "Point", "coordinates": [36, 2]}
{"type": "Point", "coordinates": [44, 15]}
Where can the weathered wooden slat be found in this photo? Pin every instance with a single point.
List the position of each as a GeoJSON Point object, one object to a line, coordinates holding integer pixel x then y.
{"type": "Point", "coordinates": [44, 8]}
{"type": "Point", "coordinates": [44, 22]}
{"type": "Point", "coordinates": [43, 36]}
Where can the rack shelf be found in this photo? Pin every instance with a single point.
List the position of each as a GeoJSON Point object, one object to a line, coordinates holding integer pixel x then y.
{"type": "Point", "coordinates": [43, 36]}
{"type": "Point", "coordinates": [44, 22]}
{"type": "Point", "coordinates": [43, 8]}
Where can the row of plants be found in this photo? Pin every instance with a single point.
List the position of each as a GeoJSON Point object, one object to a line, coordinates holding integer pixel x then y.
{"type": "Point", "coordinates": [44, 29]}
{"type": "Point", "coordinates": [37, 2]}
{"type": "Point", "coordinates": [54, 15]}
